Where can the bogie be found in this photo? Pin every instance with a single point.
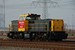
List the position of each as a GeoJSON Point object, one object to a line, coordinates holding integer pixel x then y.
{"type": "Point", "coordinates": [50, 36]}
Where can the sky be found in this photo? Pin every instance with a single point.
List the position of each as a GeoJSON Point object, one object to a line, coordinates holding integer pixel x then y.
{"type": "Point", "coordinates": [57, 9]}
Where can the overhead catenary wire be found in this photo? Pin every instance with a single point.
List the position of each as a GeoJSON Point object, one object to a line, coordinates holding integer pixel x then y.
{"type": "Point", "coordinates": [45, 6]}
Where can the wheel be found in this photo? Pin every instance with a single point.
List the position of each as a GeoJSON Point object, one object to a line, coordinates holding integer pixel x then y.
{"type": "Point", "coordinates": [21, 35]}
{"type": "Point", "coordinates": [31, 36]}
{"type": "Point", "coordinates": [10, 35]}
{"type": "Point", "coordinates": [26, 36]}
{"type": "Point", "coordinates": [50, 37]}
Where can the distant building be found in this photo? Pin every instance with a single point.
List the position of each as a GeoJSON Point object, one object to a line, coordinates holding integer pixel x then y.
{"type": "Point", "coordinates": [4, 29]}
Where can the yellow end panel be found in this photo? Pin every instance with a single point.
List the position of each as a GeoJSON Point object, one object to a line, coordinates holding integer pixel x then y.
{"type": "Point", "coordinates": [58, 22]}
{"type": "Point", "coordinates": [26, 25]}
{"type": "Point", "coordinates": [57, 28]}
{"type": "Point", "coordinates": [23, 25]}
{"type": "Point", "coordinates": [21, 29]}
{"type": "Point", "coordinates": [57, 25]}
{"type": "Point", "coordinates": [52, 25]}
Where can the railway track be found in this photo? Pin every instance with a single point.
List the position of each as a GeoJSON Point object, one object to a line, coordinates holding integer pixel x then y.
{"type": "Point", "coordinates": [52, 45]}
{"type": "Point", "coordinates": [60, 45]}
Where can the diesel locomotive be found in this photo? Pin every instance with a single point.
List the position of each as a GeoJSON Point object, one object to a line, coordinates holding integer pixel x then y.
{"type": "Point", "coordinates": [32, 27]}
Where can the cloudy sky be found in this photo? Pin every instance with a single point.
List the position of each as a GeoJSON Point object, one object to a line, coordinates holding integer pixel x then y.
{"type": "Point", "coordinates": [57, 9]}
